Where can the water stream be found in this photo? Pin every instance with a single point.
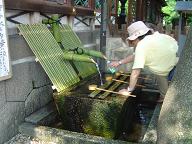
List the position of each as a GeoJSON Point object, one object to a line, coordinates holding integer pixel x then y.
{"type": "Point", "coordinates": [97, 66]}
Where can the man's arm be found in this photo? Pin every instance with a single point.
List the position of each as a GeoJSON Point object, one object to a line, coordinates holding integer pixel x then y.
{"type": "Point", "coordinates": [128, 59]}
{"type": "Point", "coordinates": [133, 79]}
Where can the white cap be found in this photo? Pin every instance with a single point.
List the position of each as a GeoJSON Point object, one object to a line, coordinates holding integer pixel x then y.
{"type": "Point", "coordinates": [137, 29]}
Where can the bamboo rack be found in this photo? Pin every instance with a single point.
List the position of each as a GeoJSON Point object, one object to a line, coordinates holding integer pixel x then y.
{"type": "Point", "coordinates": [50, 55]}
{"type": "Point", "coordinates": [70, 40]}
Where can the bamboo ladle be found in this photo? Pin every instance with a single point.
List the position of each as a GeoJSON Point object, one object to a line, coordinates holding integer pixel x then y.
{"type": "Point", "coordinates": [109, 78]}
{"type": "Point", "coordinates": [94, 87]}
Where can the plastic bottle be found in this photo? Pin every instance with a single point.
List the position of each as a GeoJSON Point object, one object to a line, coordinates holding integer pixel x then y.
{"type": "Point", "coordinates": [112, 70]}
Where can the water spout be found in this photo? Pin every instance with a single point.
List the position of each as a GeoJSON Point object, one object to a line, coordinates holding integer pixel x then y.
{"type": "Point", "coordinates": [69, 55]}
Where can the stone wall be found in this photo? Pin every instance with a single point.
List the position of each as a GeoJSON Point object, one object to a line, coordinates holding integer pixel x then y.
{"type": "Point", "coordinates": [29, 89]}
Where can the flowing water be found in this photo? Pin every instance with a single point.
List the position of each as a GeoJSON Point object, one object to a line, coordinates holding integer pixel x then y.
{"type": "Point", "coordinates": [97, 66]}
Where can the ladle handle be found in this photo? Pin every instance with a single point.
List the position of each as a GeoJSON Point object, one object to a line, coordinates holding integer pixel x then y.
{"type": "Point", "coordinates": [120, 81]}
{"type": "Point", "coordinates": [127, 82]}
{"type": "Point", "coordinates": [114, 92]}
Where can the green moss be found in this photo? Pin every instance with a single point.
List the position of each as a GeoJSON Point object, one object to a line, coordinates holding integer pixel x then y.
{"type": "Point", "coordinates": [90, 116]}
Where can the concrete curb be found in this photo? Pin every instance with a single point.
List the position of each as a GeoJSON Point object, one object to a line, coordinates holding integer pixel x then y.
{"type": "Point", "coordinates": [59, 136]}
{"type": "Point", "coordinates": [150, 136]}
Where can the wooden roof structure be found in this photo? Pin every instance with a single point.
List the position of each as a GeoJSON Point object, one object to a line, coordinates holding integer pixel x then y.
{"type": "Point", "coordinates": [184, 6]}
{"type": "Point", "coordinates": [146, 10]}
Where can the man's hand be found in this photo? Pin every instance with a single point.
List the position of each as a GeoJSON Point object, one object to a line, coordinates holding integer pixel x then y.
{"type": "Point", "coordinates": [114, 64]}
{"type": "Point", "coordinates": [124, 92]}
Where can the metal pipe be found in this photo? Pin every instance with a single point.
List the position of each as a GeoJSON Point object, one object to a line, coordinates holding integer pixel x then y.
{"type": "Point", "coordinates": [103, 32]}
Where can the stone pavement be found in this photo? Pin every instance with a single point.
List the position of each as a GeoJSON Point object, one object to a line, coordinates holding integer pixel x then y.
{"type": "Point", "coordinates": [24, 139]}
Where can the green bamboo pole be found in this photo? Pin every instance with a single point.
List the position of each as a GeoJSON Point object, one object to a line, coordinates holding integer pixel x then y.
{"type": "Point", "coordinates": [66, 71]}
{"type": "Point", "coordinates": [94, 53]}
{"type": "Point", "coordinates": [69, 72]}
{"type": "Point", "coordinates": [70, 40]}
{"type": "Point", "coordinates": [55, 29]}
{"type": "Point", "coordinates": [75, 39]}
{"type": "Point", "coordinates": [76, 57]}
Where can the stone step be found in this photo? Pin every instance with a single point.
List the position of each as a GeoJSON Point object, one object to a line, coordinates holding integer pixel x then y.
{"type": "Point", "coordinates": [59, 136]}
{"type": "Point", "coordinates": [45, 116]}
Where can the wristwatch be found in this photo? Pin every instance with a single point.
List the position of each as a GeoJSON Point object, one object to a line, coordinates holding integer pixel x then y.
{"type": "Point", "coordinates": [130, 89]}
{"type": "Point", "coordinates": [119, 62]}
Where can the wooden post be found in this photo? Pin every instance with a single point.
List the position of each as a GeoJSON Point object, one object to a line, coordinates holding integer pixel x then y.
{"type": "Point", "coordinates": [139, 7]}
{"type": "Point", "coordinates": [103, 32]}
{"type": "Point", "coordinates": [129, 16]}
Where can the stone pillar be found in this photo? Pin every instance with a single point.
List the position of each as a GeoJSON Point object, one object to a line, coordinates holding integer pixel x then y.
{"type": "Point", "coordinates": [175, 124]}
{"type": "Point", "coordinates": [70, 21]}
{"type": "Point", "coordinates": [35, 17]}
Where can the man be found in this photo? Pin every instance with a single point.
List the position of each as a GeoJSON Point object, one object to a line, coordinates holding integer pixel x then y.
{"type": "Point", "coordinates": [155, 51]}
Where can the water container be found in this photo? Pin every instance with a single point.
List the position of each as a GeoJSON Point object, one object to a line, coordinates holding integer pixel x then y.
{"type": "Point", "coordinates": [110, 69]}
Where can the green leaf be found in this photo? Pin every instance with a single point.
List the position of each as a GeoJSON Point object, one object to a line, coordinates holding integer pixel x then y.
{"type": "Point", "coordinates": [169, 11]}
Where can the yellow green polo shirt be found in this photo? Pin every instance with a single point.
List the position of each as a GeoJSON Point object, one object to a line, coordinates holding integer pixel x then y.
{"type": "Point", "coordinates": [157, 52]}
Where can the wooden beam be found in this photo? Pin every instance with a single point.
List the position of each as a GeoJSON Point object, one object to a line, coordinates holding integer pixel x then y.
{"type": "Point", "coordinates": [47, 7]}
{"type": "Point", "coordinates": [38, 6]}
{"type": "Point", "coordinates": [80, 11]}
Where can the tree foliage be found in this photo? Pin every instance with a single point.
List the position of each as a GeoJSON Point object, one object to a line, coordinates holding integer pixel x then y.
{"type": "Point", "coordinates": [126, 8]}
{"type": "Point", "coordinates": [169, 11]}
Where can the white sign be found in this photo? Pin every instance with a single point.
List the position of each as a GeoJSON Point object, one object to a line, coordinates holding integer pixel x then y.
{"type": "Point", "coordinates": [5, 69]}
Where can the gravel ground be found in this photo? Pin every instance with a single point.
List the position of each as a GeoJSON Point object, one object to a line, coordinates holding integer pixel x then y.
{"type": "Point", "coordinates": [23, 139]}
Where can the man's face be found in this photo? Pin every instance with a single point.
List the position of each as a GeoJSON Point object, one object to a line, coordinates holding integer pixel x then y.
{"type": "Point", "coordinates": [133, 43]}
